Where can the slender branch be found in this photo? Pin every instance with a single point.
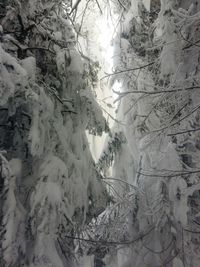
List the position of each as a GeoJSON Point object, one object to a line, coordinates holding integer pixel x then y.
{"type": "Point", "coordinates": [161, 251]}
{"type": "Point", "coordinates": [190, 44]}
{"type": "Point", "coordinates": [157, 92]}
{"type": "Point", "coordinates": [186, 131]}
{"type": "Point", "coordinates": [114, 190]}
{"type": "Point", "coordinates": [168, 175]}
{"type": "Point", "coordinates": [75, 6]}
{"type": "Point", "coordinates": [114, 243]}
{"type": "Point", "coordinates": [165, 263]}
{"type": "Point", "coordinates": [119, 180]}
{"type": "Point", "coordinates": [198, 223]}
{"type": "Point", "coordinates": [119, 1]}
{"type": "Point", "coordinates": [191, 231]}
{"type": "Point", "coordinates": [178, 113]}
{"type": "Point", "coordinates": [99, 7]}
{"type": "Point", "coordinates": [82, 19]}
{"type": "Point", "coordinates": [178, 121]}
{"type": "Point", "coordinates": [126, 70]}
{"type": "Point", "coordinates": [40, 48]}
{"type": "Point", "coordinates": [119, 122]}
{"type": "Point", "coordinates": [24, 49]}
{"type": "Point", "coordinates": [153, 108]}
{"type": "Point", "coordinates": [188, 41]}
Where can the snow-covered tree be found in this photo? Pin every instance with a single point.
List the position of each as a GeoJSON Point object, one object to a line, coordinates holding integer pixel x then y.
{"type": "Point", "coordinates": [50, 186]}
{"type": "Point", "coordinates": [54, 205]}
{"type": "Point", "coordinates": [156, 170]}
{"type": "Point", "coordinates": [159, 105]}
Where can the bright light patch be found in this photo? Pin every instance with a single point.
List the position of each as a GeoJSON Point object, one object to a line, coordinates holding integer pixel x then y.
{"type": "Point", "coordinates": [116, 88]}
{"type": "Point", "coordinates": [105, 38]}
{"type": "Point", "coordinates": [107, 25]}
{"type": "Point", "coordinates": [99, 29]}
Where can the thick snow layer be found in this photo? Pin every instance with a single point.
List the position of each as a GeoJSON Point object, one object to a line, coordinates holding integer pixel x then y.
{"type": "Point", "coordinates": [16, 166]}
{"type": "Point", "coordinates": [177, 263]}
{"type": "Point", "coordinates": [147, 4]}
{"type": "Point", "coordinates": [86, 261]}
{"type": "Point", "coordinates": [12, 75]}
{"type": "Point", "coordinates": [29, 64]}
{"type": "Point", "coordinates": [177, 187]}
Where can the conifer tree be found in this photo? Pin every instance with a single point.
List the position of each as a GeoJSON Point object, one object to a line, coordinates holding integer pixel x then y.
{"type": "Point", "coordinates": [50, 186]}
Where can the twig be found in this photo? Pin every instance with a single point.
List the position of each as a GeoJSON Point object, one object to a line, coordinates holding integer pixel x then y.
{"type": "Point", "coordinates": [190, 44]}
{"type": "Point", "coordinates": [191, 231]}
{"type": "Point", "coordinates": [81, 24]}
{"type": "Point", "coordinates": [39, 48]}
{"type": "Point", "coordinates": [119, 180]}
{"type": "Point", "coordinates": [178, 113]}
{"type": "Point", "coordinates": [188, 41]}
{"type": "Point", "coordinates": [112, 117]}
{"type": "Point", "coordinates": [181, 119]}
{"type": "Point", "coordinates": [168, 175]}
{"type": "Point", "coordinates": [24, 49]}
{"type": "Point", "coordinates": [113, 243]}
{"type": "Point", "coordinates": [119, 1]}
{"type": "Point", "coordinates": [198, 223]}
{"type": "Point", "coordinates": [75, 6]}
{"type": "Point", "coordinates": [127, 70]}
{"type": "Point", "coordinates": [161, 251]}
{"type": "Point", "coordinates": [165, 263]}
{"type": "Point", "coordinates": [157, 92]}
{"type": "Point", "coordinates": [114, 190]}
{"type": "Point", "coordinates": [186, 131]}
{"type": "Point", "coordinates": [99, 7]}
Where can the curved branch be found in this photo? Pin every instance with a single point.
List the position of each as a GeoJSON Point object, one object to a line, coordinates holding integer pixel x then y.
{"type": "Point", "coordinates": [113, 243]}
{"type": "Point", "coordinates": [163, 250]}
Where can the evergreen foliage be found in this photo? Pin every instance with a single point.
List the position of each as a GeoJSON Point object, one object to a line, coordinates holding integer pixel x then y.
{"type": "Point", "coordinates": [50, 186]}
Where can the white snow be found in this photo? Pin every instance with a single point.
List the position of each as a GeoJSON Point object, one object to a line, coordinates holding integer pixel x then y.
{"type": "Point", "coordinates": [29, 64]}
{"type": "Point", "coordinates": [147, 4]}
{"type": "Point", "coordinates": [177, 262]}
{"type": "Point", "coordinates": [16, 166]}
